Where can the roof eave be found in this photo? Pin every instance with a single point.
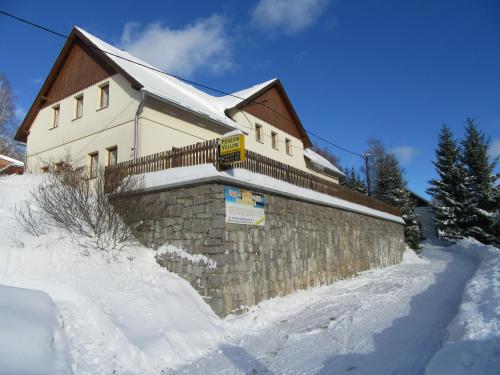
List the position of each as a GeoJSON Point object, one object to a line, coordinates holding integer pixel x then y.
{"type": "Point", "coordinates": [196, 113]}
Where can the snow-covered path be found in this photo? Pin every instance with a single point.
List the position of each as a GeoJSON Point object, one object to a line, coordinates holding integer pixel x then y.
{"type": "Point", "coordinates": [389, 321]}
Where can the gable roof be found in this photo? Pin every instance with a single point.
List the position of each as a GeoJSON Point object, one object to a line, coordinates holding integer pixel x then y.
{"type": "Point", "coordinates": [419, 200]}
{"type": "Point", "coordinates": [316, 158]}
{"type": "Point", "coordinates": [149, 79]}
{"type": "Point", "coordinates": [249, 97]}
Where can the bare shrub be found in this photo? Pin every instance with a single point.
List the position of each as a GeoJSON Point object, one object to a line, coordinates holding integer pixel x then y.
{"type": "Point", "coordinates": [68, 199]}
{"type": "Point", "coordinates": [31, 220]}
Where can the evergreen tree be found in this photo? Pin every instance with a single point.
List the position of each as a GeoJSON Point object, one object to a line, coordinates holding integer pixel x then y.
{"type": "Point", "coordinates": [391, 188]}
{"type": "Point", "coordinates": [481, 206]}
{"type": "Point", "coordinates": [448, 190]}
{"type": "Point", "coordinates": [353, 180]}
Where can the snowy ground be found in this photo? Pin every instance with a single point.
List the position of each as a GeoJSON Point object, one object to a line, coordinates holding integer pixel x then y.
{"type": "Point", "coordinates": [438, 314]}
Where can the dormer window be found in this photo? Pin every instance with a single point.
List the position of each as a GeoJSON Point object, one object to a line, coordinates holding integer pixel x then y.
{"type": "Point", "coordinates": [104, 96]}
{"type": "Point", "coordinates": [78, 106]}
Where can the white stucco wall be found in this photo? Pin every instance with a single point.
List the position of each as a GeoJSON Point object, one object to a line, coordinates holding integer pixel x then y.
{"type": "Point", "coordinates": [96, 130]}
{"type": "Point", "coordinates": [161, 127]}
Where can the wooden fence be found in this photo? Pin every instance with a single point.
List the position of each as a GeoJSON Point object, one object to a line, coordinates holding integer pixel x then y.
{"type": "Point", "coordinates": [206, 153]}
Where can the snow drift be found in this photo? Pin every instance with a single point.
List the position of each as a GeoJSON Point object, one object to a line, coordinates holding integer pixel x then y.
{"type": "Point", "coordinates": [473, 345]}
{"type": "Point", "coordinates": [135, 317]}
{"type": "Point", "coordinates": [127, 317]}
{"type": "Point", "coordinates": [30, 320]}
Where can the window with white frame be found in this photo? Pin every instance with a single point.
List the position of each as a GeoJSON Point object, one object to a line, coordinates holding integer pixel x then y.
{"type": "Point", "coordinates": [274, 140]}
{"type": "Point", "coordinates": [259, 133]}
{"type": "Point", "coordinates": [55, 116]}
{"type": "Point", "coordinates": [93, 164]}
{"type": "Point", "coordinates": [112, 155]}
{"type": "Point", "coordinates": [288, 146]}
{"type": "Point", "coordinates": [78, 106]}
{"type": "Point", "coordinates": [104, 95]}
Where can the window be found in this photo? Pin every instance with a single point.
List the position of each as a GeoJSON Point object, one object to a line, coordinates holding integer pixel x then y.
{"type": "Point", "coordinates": [104, 97]}
{"type": "Point", "coordinates": [259, 136]}
{"type": "Point", "coordinates": [94, 164]}
{"type": "Point", "coordinates": [274, 140]}
{"type": "Point", "coordinates": [58, 167]}
{"type": "Point", "coordinates": [112, 155]}
{"type": "Point", "coordinates": [55, 116]}
{"type": "Point", "coordinates": [79, 106]}
{"type": "Point", "coordinates": [45, 169]}
{"type": "Point", "coordinates": [288, 146]}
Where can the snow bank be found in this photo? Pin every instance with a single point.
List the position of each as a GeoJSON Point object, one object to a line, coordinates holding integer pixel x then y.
{"type": "Point", "coordinates": [206, 172]}
{"type": "Point", "coordinates": [194, 258]}
{"type": "Point", "coordinates": [473, 345]}
{"type": "Point", "coordinates": [131, 317]}
{"type": "Point", "coordinates": [32, 339]}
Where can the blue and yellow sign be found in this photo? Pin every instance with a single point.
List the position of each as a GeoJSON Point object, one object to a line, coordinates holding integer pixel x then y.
{"type": "Point", "coordinates": [244, 206]}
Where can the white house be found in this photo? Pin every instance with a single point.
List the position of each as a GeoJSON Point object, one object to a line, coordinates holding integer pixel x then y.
{"type": "Point", "coordinates": [105, 106]}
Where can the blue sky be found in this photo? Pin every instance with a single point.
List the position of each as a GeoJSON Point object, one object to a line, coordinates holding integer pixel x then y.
{"type": "Point", "coordinates": [393, 70]}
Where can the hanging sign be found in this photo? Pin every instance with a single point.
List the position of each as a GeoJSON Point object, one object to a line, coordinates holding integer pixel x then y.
{"type": "Point", "coordinates": [232, 149]}
{"type": "Point", "coordinates": [244, 206]}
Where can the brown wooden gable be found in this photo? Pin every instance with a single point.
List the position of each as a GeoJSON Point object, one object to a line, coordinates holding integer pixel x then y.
{"type": "Point", "coordinates": [273, 106]}
{"type": "Point", "coordinates": [77, 67]}
{"type": "Point", "coordinates": [81, 68]}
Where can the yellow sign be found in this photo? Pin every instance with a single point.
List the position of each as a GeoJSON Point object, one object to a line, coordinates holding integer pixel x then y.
{"type": "Point", "coordinates": [232, 149]}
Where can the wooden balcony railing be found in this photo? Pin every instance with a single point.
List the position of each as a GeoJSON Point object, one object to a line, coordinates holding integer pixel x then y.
{"type": "Point", "coordinates": [206, 153]}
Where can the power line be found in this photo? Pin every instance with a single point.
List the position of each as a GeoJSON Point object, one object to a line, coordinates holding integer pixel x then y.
{"type": "Point", "coordinates": [38, 26]}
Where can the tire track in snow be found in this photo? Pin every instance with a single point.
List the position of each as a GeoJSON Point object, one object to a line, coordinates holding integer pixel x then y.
{"type": "Point", "coordinates": [388, 321]}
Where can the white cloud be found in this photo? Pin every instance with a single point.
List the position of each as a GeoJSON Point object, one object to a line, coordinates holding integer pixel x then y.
{"type": "Point", "coordinates": [203, 44]}
{"type": "Point", "coordinates": [494, 149]}
{"type": "Point", "coordinates": [405, 154]}
{"type": "Point", "coordinates": [288, 16]}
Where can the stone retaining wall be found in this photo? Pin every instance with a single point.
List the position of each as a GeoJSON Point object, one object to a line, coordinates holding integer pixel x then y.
{"type": "Point", "coordinates": [301, 245]}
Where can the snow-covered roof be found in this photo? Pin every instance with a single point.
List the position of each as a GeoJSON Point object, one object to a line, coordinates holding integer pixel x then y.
{"type": "Point", "coordinates": [15, 162]}
{"type": "Point", "coordinates": [172, 89]}
{"type": "Point", "coordinates": [321, 161]}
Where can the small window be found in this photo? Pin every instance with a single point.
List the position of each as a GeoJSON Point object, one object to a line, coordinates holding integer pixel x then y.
{"type": "Point", "coordinates": [104, 97]}
{"type": "Point", "coordinates": [274, 140]}
{"type": "Point", "coordinates": [79, 106]}
{"type": "Point", "coordinates": [58, 167]}
{"type": "Point", "coordinates": [288, 146]}
{"type": "Point", "coordinates": [259, 136]}
{"type": "Point", "coordinates": [55, 116]}
{"type": "Point", "coordinates": [94, 164]}
{"type": "Point", "coordinates": [112, 155]}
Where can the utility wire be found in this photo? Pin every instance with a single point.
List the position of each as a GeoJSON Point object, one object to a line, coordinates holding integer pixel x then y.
{"type": "Point", "coordinates": [38, 26]}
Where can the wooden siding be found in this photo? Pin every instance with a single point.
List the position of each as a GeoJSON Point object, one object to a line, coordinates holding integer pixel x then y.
{"type": "Point", "coordinates": [81, 69]}
{"type": "Point", "coordinates": [273, 110]}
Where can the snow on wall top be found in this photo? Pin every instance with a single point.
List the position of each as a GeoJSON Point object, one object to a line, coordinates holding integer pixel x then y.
{"type": "Point", "coordinates": [172, 89]}
{"type": "Point", "coordinates": [320, 160]}
{"type": "Point", "coordinates": [205, 172]}
{"type": "Point", "coordinates": [13, 161]}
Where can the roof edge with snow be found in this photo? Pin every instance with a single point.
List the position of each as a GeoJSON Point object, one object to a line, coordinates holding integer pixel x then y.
{"type": "Point", "coordinates": [319, 160]}
{"type": "Point", "coordinates": [14, 162]}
